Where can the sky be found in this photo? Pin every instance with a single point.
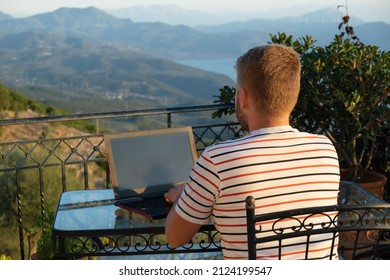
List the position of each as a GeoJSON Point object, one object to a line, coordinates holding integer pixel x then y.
{"type": "Point", "coordinates": [367, 10]}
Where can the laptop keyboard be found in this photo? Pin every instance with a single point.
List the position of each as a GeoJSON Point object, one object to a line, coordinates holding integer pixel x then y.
{"type": "Point", "coordinates": [150, 203]}
{"type": "Point", "coordinates": [152, 207]}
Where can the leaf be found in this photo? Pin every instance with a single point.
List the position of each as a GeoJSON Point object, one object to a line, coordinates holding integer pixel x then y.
{"type": "Point", "coordinates": [341, 25]}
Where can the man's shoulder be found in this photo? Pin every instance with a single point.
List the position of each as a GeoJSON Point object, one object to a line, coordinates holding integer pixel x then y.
{"type": "Point", "coordinates": [224, 144]}
{"type": "Point", "coordinates": [249, 139]}
{"type": "Point", "coordinates": [314, 135]}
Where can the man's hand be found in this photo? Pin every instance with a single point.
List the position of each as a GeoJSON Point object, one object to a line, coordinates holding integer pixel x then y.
{"type": "Point", "coordinates": [173, 194]}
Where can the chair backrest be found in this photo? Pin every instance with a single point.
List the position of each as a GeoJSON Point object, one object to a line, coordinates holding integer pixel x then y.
{"type": "Point", "coordinates": [351, 232]}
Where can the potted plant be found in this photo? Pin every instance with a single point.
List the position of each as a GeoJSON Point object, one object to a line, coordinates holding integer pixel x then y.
{"type": "Point", "coordinates": [345, 95]}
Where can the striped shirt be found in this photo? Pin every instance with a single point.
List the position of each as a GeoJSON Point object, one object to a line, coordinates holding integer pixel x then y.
{"type": "Point", "coordinates": [280, 166]}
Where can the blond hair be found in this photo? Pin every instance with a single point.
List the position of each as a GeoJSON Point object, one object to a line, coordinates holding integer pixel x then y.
{"type": "Point", "coordinates": [271, 74]}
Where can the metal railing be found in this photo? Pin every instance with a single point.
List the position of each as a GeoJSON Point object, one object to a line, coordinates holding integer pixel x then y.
{"type": "Point", "coordinates": [34, 172]}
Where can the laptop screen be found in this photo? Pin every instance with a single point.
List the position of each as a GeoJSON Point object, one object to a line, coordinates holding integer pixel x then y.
{"type": "Point", "coordinates": [149, 161]}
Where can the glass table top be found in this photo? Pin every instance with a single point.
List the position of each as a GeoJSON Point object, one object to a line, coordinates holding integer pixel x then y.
{"type": "Point", "coordinates": [94, 210]}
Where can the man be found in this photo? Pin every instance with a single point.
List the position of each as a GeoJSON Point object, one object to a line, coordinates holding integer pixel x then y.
{"type": "Point", "coordinates": [278, 165]}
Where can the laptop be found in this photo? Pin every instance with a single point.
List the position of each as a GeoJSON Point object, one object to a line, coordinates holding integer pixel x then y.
{"type": "Point", "coordinates": [144, 165]}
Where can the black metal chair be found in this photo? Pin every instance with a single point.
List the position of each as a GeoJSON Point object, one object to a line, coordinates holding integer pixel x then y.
{"type": "Point", "coordinates": [362, 231]}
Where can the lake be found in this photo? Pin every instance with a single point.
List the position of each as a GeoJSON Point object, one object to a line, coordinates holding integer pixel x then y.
{"type": "Point", "coordinates": [221, 66]}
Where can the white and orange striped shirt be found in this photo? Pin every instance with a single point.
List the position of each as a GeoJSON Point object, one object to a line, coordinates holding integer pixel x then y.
{"type": "Point", "coordinates": [280, 166]}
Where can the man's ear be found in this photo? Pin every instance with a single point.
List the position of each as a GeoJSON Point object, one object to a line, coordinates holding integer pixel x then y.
{"type": "Point", "coordinates": [243, 98]}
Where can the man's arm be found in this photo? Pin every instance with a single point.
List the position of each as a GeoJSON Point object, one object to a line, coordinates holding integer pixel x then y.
{"type": "Point", "coordinates": [177, 230]}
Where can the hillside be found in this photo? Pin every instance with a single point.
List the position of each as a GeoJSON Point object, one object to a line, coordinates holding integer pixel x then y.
{"type": "Point", "coordinates": [13, 101]}
{"type": "Point", "coordinates": [16, 105]}
{"type": "Point", "coordinates": [69, 72]}
{"type": "Point", "coordinates": [71, 57]}
{"type": "Point", "coordinates": [34, 131]}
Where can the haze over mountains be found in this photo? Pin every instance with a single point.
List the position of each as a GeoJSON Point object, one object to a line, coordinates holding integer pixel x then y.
{"type": "Point", "coordinates": [298, 20]}
{"type": "Point", "coordinates": [72, 56]}
{"type": "Point", "coordinates": [175, 15]}
{"type": "Point", "coordinates": [172, 14]}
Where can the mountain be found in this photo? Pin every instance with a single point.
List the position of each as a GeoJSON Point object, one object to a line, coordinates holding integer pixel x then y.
{"type": "Point", "coordinates": [175, 15]}
{"type": "Point", "coordinates": [169, 14]}
{"type": "Point", "coordinates": [66, 20]}
{"type": "Point", "coordinates": [78, 59]}
{"type": "Point", "coordinates": [4, 16]}
{"type": "Point", "coordinates": [72, 56]}
{"type": "Point", "coordinates": [89, 22]}
{"type": "Point", "coordinates": [179, 42]}
{"type": "Point", "coordinates": [176, 42]}
{"type": "Point", "coordinates": [375, 33]}
{"type": "Point", "coordinates": [321, 24]}
{"type": "Point", "coordinates": [69, 72]}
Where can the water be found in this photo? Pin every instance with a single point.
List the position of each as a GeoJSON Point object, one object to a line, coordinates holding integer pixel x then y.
{"type": "Point", "coordinates": [220, 66]}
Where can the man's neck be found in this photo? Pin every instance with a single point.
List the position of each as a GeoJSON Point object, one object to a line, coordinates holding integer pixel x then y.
{"type": "Point", "coordinates": [259, 123]}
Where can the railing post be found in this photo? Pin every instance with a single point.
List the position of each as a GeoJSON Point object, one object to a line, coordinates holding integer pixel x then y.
{"type": "Point", "coordinates": [251, 230]}
{"type": "Point", "coordinates": [20, 220]}
{"type": "Point", "coordinates": [169, 120]}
